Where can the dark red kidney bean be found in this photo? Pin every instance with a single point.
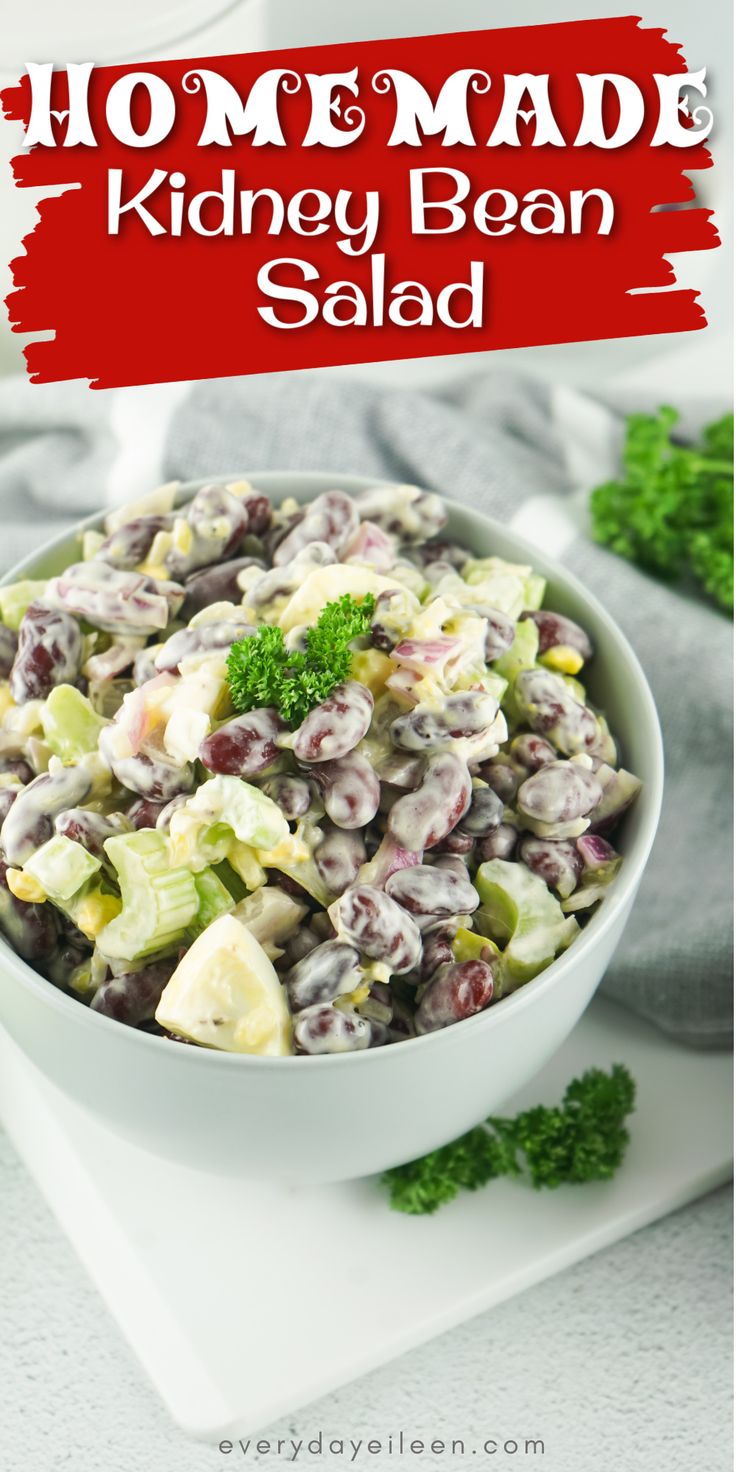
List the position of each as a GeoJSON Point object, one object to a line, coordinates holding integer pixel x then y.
{"type": "Point", "coordinates": [555, 629]}
{"type": "Point", "coordinates": [163, 820]}
{"type": "Point", "coordinates": [30, 821]}
{"type": "Point", "coordinates": [531, 751]}
{"type": "Point", "coordinates": [339, 856]}
{"type": "Point", "coordinates": [218, 584]}
{"type": "Point", "coordinates": [49, 653]}
{"type": "Point", "coordinates": [380, 1033]}
{"type": "Point", "coordinates": [439, 550]}
{"type": "Point", "coordinates": [498, 845]}
{"type": "Point", "coordinates": [550, 708]}
{"type": "Point", "coordinates": [503, 777]}
{"type": "Point", "coordinates": [455, 845]}
{"type": "Point", "coordinates": [453, 862]}
{"type": "Point", "coordinates": [454, 993]}
{"type": "Point", "coordinates": [32, 930]}
{"type": "Point", "coordinates": [7, 798]}
{"type": "Point", "coordinates": [292, 794]}
{"type": "Point", "coordinates": [467, 714]}
{"type": "Point", "coordinates": [259, 512]}
{"type": "Point", "coordinates": [297, 946]}
{"type": "Point", "coordinates": [422, 818]}
{"type": "Point", "coordinates": [401, 770]}
{"type": "Point", "coordinates": [206, 639]}
{"type": "Point", "coordinates": [379, 927]}
{"type": "Point", "coordinates": [436, 948]}
{"type": "Point", "coordinates": [332, 518]}
{"type": "Point", "coordinates": [500, 633]}
{"type": "Point", "coordinates": [335, 727]}
{"type": "Point", "coordinates": [133, 997]}
{"type": "Point", "coordinates": [244, 746]}
{"type": "Point", "coordinates": [281, 582]}
{"type": "Point", "coordinates": [413, 515]}
{"type": "Point", "coordinates": [149, 777]}
{"type": "Point", "coordinates": [384, 635]}
{"type": "Point", "coordinates": [131, 543]}
{"type": "Point", "coordinates": [143, 813]}
{"type": "Point", "coordinates": [484, 814]}
{"type": "Point", "coordinates": [219, 522]}
{"type": "Point", "coordinates": [91, 829]}
{"type": "Point", "coordinates": [14, 766]}
{"type": "Point", "coordinates": [424, 890]}
{"type": "Point", "coordinates": [329, 971]}
{"type": "Point", "coordinates": [8, 647]}
{"type": "Point", "coordinates": [325, 1029]}
{"type": "Point", "coordinates": [557, 862]}
{"type": "Point", "coordinates": [351, 791]}
{"type": "Point", "coordinates": [559, 792]}
{"type": "Point", "coordinates": [66, 956]}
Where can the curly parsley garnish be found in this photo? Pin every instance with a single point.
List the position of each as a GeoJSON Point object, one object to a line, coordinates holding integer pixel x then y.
{"type": "Point", "coordinates": [583, 1139]}
{"type": "Point", "coordinates": [262, 672]}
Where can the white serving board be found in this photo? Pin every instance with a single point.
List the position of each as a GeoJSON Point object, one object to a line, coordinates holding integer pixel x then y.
{"type": "Point", "coordinates": [245, 1301]}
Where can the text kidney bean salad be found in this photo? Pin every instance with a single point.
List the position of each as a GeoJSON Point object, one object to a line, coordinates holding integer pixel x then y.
{"type": "Point", "coordinates": [300, 780]}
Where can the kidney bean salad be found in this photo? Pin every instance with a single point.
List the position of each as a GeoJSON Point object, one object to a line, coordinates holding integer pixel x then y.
{"type": "Point", "coordinates": [300, 780]}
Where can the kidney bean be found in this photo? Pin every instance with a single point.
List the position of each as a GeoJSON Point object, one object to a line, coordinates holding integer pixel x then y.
{"type": "Point", "coordinates": [91, 829]}
{"type": "Point", "coordinates": [281, 582]}
{"type": "Point", "coordinates": [335, 727]}
{"type": "Point", "coordinates": [131, 543]}
{"type": "Point", "coordinates": [218, 584]}
{"type": "Point", "coordinates": [8, 647]}
{"type": "Point", "coordinates": [149, 777]}
{"type": "Point", "coordinates": [405, 511]}
{"type": "Point", "coordinates": [133, 997]}
{"type": "Point", "coordinates": [439, 550]}
{"type": "Point", "coordinates": [559, 792]}
{"type": "Point", "coordinates": [350, 790]}
{"type": "Point", "coordinates": [422, 818]}
{"type": "Point", "coordinates": [30, 821]}
{"type": "Point", "coordinates": [455, 845]}
{"type": "Point", "coordinates": [555, 630]}
{"type": "Point", "coordinates": [423, 729]}
{"type": "Point", "coordinates": [32, 930]}
{"type": "Point", "coordinates": [436, 948]}
{"type": "Point", "coordinates": [424, 890]}
{"type": "Point", "coordinates": [292, 794]}
{"type": "Point", "coordinates": [244, 746]}
{"type": "Point", "coordinates": [297, 946]}
{"type": "Point", "coordinates": [206, 639]}
{"type": "Point", "coordinates": [143, 813]}
{"type": "Point", "coordinates": [454, 993]}
{"type": "Point", "coordinates": [329, 971]}
{"type": "Point", "coordinates": [500, 633]}
{"type": "Point", "coordinates": [373, 922]}
{"type": "Point", "coordinates": [499, 844]}
{"type": "Point", "coordinates": [557, 862]}
{"type": "Point", "coordinates": [326, 1029]}
{"type": "Point", "coordinates": [338, 857]}
{"type": "Point", "coordinates": [531, 751]}
{"type": "Point", "coordinates": [218, 522]}
{"type": "Point", "coordinates": [503, 777]}
{"type": "Point", "coordinates": [484, 814]}
{"type": "Point", "coordinates": [550, 708]}
{"type": "Point", "coordinates": [332, 518]}
{"type": "Point", "coordinates": [15, 766]}
{"type": "Point", "coordinates": [7, 798]}
{"type": "Point", "coordinates": [49, 653]}
{"type": "Point", "coordinates": [117, 602]}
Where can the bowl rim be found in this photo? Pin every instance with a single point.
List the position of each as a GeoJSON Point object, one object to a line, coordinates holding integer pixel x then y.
{"type": "Point", "coordinates": [623, 890]}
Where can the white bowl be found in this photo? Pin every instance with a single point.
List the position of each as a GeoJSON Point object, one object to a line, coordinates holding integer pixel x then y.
{"type": "Point", "coordinates": [335, 1117]}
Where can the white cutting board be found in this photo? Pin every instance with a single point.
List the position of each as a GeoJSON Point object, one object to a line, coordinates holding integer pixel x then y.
{"type": "Point", "coordinates": [244, 1301]}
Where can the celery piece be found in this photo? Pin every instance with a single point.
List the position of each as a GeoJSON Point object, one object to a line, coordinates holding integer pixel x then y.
{"type": "Point", "coordinates": [15, 598]}
{"type": "Point", "coordinates": [519, 912]}
{"type": "Point", "coordinates": [214, 899]}
{"type": "Point", "coordinates": [159, 902]}
{"type": "Point", "coordinates": [468, 945]}
{"type": "Point", "coordinates": [70, 725]}
{"type": "Point", "coordinates": [523, 652]}
{"type": "Point", "coordinates": [62, 867]}
{"type": "Point", "coordinates": [535, 587]}
{"type": "Point", "coordinates": [222, 811]}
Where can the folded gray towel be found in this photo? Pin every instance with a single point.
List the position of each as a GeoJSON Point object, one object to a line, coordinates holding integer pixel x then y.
{"type": "Point", "coordinates": [490, 441]}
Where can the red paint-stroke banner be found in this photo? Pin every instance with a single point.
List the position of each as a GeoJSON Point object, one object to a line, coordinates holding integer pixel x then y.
{"type": "Point", "coordinates": [132, 308]}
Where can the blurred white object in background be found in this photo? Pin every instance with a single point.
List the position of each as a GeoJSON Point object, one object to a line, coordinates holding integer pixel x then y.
{"type": "Point", "coordinates": [84, 30]}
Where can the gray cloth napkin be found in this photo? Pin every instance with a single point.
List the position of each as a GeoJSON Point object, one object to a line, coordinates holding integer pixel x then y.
{"type": "Point", "coordinates": [489, 441]}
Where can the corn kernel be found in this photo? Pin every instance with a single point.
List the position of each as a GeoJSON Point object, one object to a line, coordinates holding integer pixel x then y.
{"type": "Point", "coordinates": [95, 912]}
{"type": "Point", "coordinates": [25, 887]}
{"type": "Point", "coordinates": [370, 667]}
{"type": "Point", "coordinates": [563, 658]}
{"type": "Point", "coordinates": [354, 999]}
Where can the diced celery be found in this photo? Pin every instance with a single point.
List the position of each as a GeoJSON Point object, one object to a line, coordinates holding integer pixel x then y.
{"type": "Point", "coordinates": [468, 945]}
{"type": "Point", "coordinates": [535, 587]}
{"type": "Point", "coordinates": [221, 811]}
{"type": "Point", "coordinates": [15, 598]}
{"type": "Point", "coordinates": [232, 881]}
{"type": "Point", "coordinates": [159, 902]}
{"type": "Point", "coordinates": [214, 899]}
{"type": "Point", "coordinates": [62, 867]}
{"type": "Point", "coordinates": [523, 652]}
{"type": "Point", "coordinates": [70, 725]}
{"type": "Point", "coordinates": [518, 911]}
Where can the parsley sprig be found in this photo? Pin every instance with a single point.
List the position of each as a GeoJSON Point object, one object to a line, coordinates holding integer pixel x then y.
{"type": "Point", "coordinates": [583, 1139]}
{"type": "Point", "coordinates": [672, 510]}
{"type": "Point", "coordinates": [262, 672]}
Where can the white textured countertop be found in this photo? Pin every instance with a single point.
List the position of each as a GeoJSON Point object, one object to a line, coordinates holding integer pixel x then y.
{"type": "Point", "coordinates": [622, 1364]}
